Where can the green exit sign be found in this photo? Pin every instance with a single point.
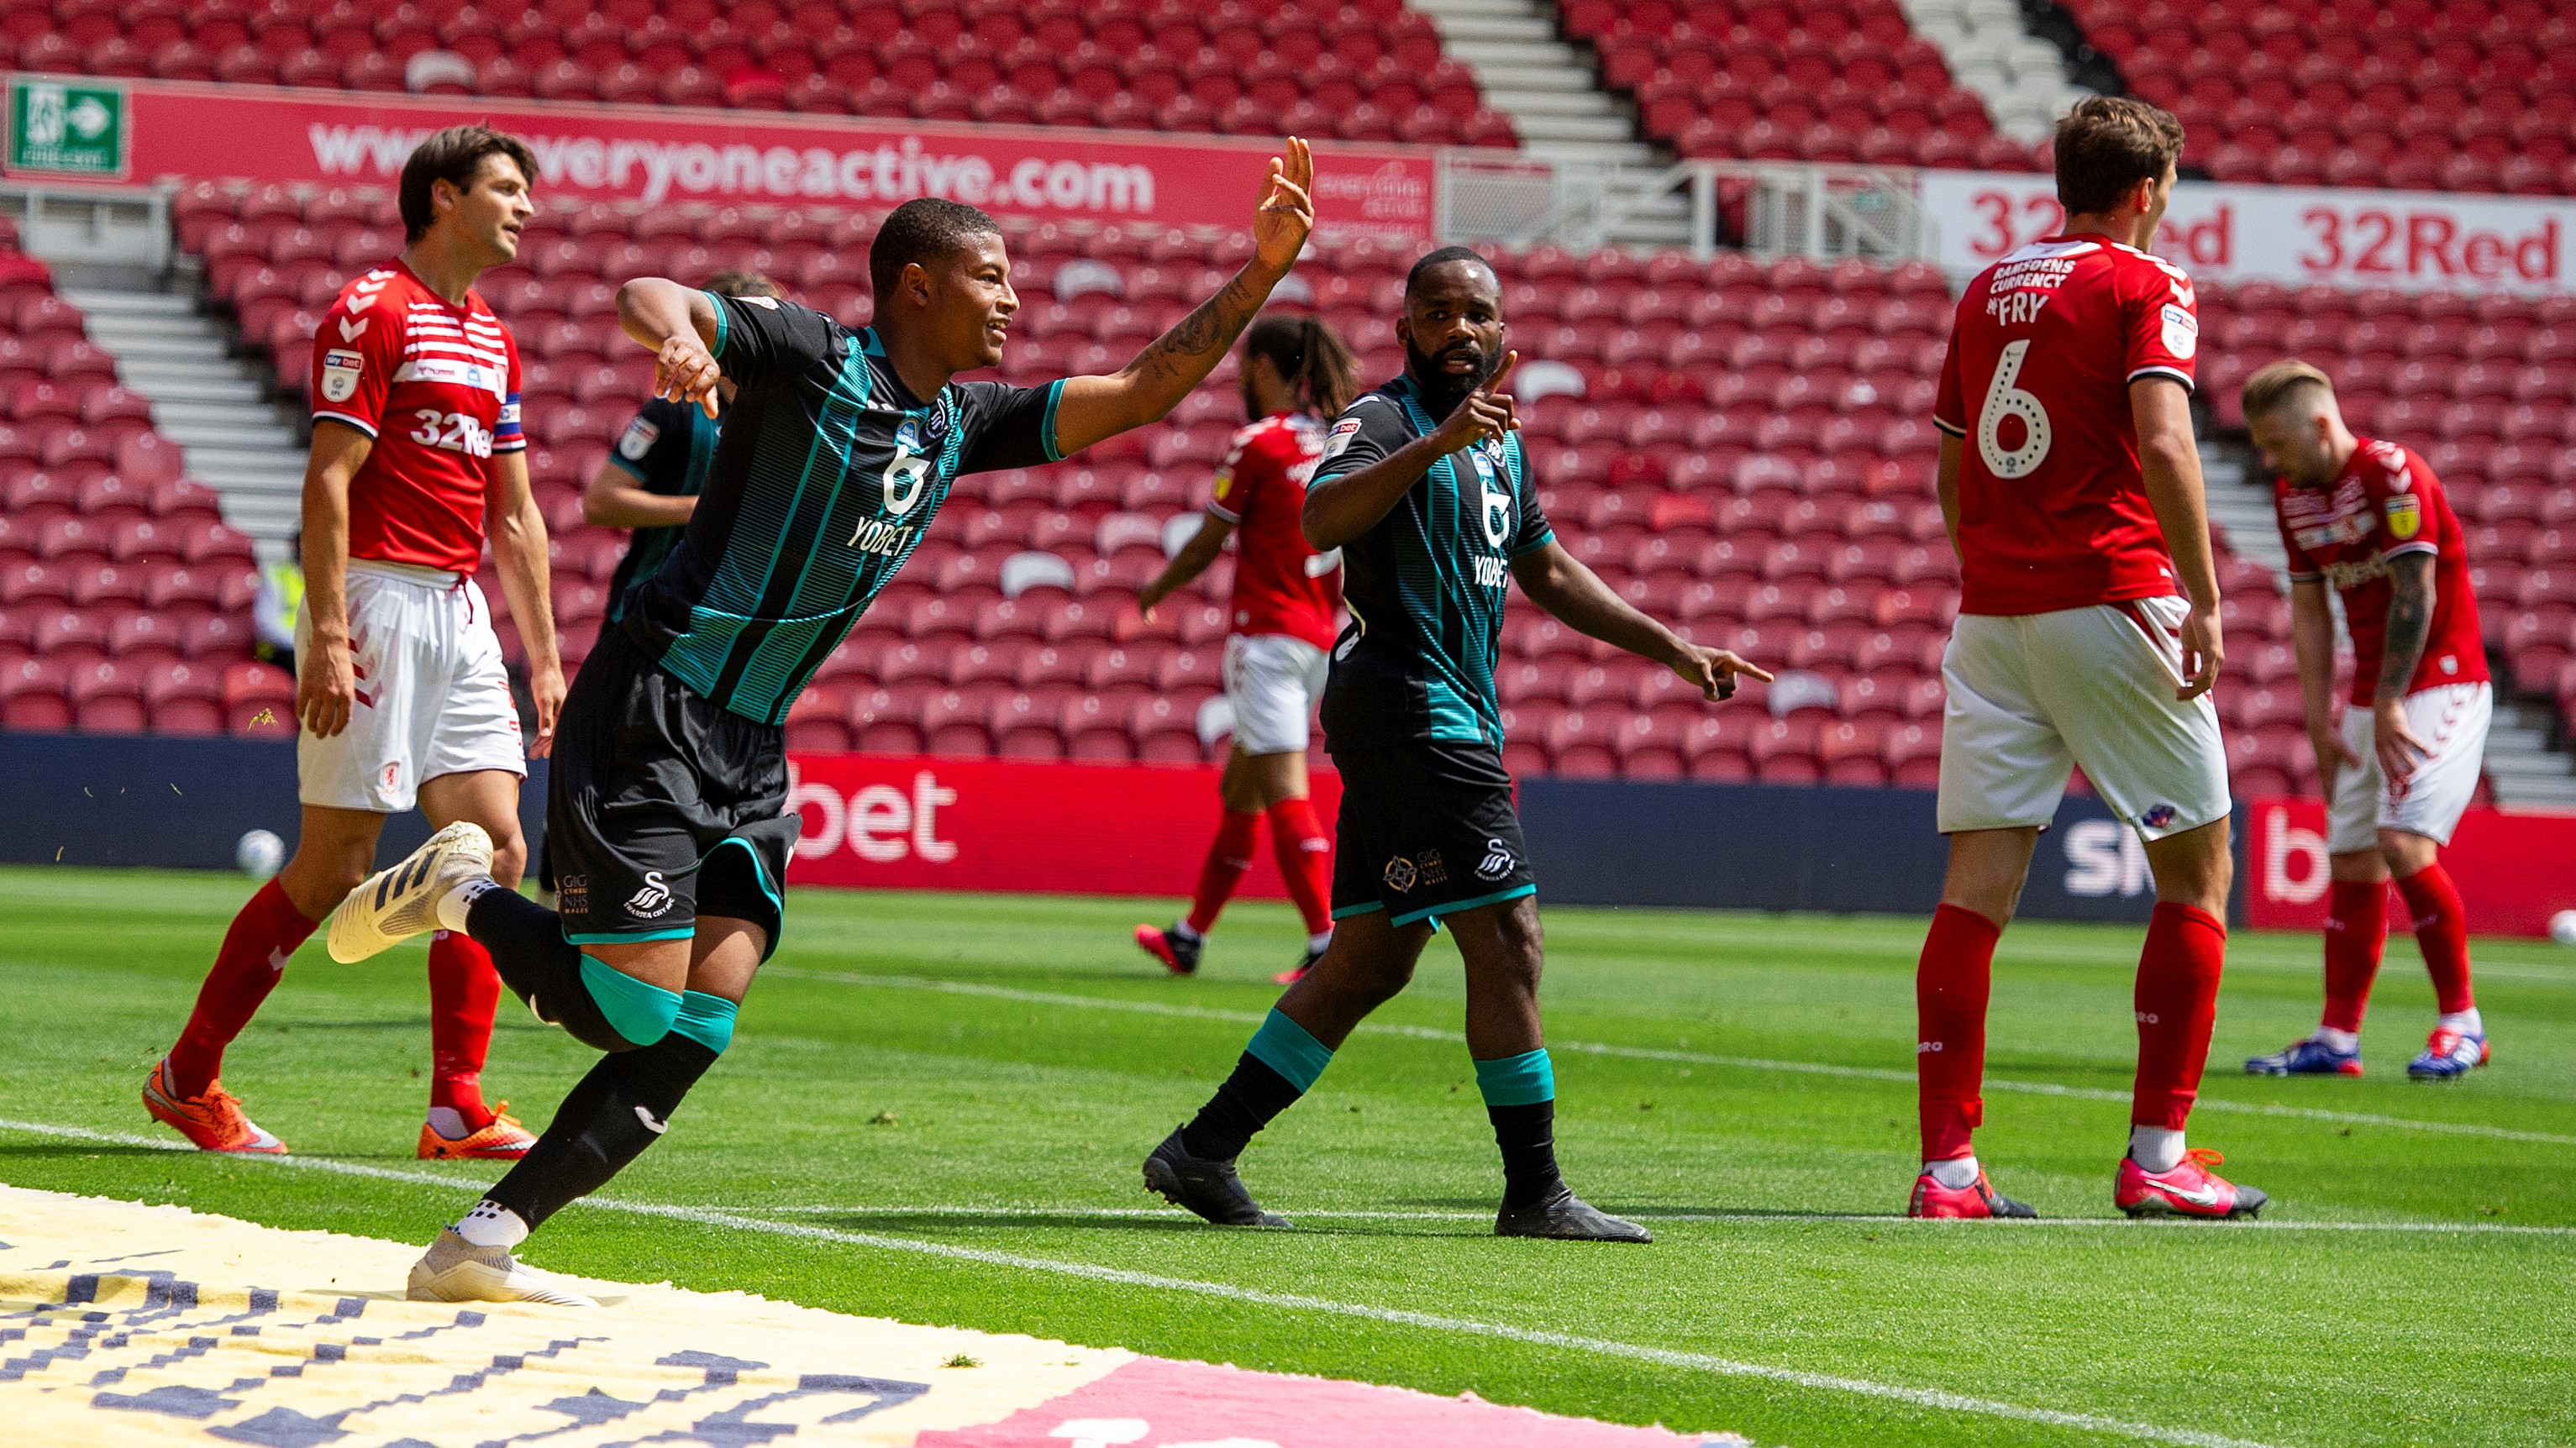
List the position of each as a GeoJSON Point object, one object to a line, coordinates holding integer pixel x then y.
{"type": "Point", "coordinates": [68, 126]}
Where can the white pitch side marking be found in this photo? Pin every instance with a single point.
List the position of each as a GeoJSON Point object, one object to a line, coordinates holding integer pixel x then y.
{"type": "Point", "coordinates": [1932, 1398]}
{"type": "Point", "coordinates": [1648, 1053]}
{"type": "Point", "coordinates": [1794, 1219]}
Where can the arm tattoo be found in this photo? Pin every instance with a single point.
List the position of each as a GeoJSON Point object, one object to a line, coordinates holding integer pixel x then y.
{"type": "Point", "coordinates": [2410, 618]}
{"type": "Point", "coordinates": [1187, 353]}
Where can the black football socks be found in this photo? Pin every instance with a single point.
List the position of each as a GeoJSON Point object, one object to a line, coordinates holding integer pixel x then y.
{"type": "Point", "coordinates": [1520, 1099]}
{"type": "Point", "coordinates": [1278, 1066]}
{"type": "Point", "coordinates": [622, 1107]}
{"type": "Point", "coordinates": [600, 1006]}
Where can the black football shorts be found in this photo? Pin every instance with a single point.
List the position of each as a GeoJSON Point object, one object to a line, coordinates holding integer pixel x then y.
{"type": "Point", "coordinates": [1427, 829]}
{"type": "Point", "coordinates": [662, 807]}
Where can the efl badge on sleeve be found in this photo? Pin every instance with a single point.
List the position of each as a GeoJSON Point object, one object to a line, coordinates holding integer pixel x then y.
{"type": "Point", "coordinates": [637, 440]}
{"type": "Point", "coordinates": [2405, 514]}
{"type": "Point", "coordinates": [1340, 437]}
{"type": "Point", "coordinates": [340, 374]}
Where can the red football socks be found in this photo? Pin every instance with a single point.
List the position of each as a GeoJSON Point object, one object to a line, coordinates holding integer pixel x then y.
{"type": "Point", "coordinates": [2356, 930]}
{"type": "Point", "coordinates": [1228, 857]}
{"type": "Point", "coordinates": [1951, 983]}
{"type": "Point", "coordinates": [246, 969]}
{"type": "Point", "coordinates": [464, 990]}
{"type": "Point", "coordinates": [1305, 861]}
{"type": "Point", "coordinates": [2442, 929]}
{"type": "Point", "coordinates": [2177, 1002]}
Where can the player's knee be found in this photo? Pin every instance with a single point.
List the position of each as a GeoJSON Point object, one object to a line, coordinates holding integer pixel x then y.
{"type": "Point", "coordinates": [509, 858]}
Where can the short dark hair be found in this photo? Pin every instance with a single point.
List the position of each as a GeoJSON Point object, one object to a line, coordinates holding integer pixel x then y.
{"type": "Point", "coordinates": [2108, 144]}
{"type": "Point", "coordinates": [743, 284]}
{"type": "Point", "coordinates": [1443, 257]}
{"type": "Point", "coordinates": [1309, 357]}
{"type": "Point", "coordinates": [454, 155]}
{"type": "Point", "coordinates": [924, 230]}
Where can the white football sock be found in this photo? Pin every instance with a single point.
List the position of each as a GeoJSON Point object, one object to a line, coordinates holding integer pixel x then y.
{"type": "Point", "coordinates": [2155, 1148]}
{"type": "Point", "coordinates": [491, 1224]}
{"type": "Point", "coordinates": [1957, 1174]}
{"type": "Point", "coordinates": [451, 907]}
{"type": "Point", "coordinates": [1319, 940]}
{"type": "Point", "coordinates": [2467, 1022]}
{"type": "Point", "coordinates": [2340, 1040]}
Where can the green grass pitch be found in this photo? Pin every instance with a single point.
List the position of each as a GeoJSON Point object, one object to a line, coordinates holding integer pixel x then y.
{"type": "Point", "coordinates": [936, 1107]}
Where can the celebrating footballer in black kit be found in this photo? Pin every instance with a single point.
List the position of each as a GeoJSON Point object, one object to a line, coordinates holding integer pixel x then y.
{"type": "Point", "coordinates": [1424, 488]}
{"type": "Point", "coordinates": [666, 808]}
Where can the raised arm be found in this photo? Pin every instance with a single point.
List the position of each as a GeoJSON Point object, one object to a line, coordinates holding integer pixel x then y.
{"type": "Point", "coordinates": [680, 325]}
{"type": "Point", "coordinates": [2161, 409]}
{"type": "Point", "coordinates": [1342, 506]}
{"type": "Point", "coordinates": [326, 680]}
{"type": "Point", "coordinates": [1147, 389]}
{"type": "Point", "coordinates": [1558, 581]}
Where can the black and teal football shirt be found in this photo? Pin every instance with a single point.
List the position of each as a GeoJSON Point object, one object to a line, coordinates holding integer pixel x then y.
{"type": "Point", "coordinates": [667, 450]}
{"type": "Point", "coordinates": [1426, 584]}
{"type": "Point", "coordinates": [826, 474]}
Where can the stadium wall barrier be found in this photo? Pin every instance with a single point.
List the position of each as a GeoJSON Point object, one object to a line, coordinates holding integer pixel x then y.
{"type": "Point", "coordinates": [875, 821]}
{"type": "Point", "coordinates": [654, 155]}
{"type": "Point", "coordinates": [2293, 235]}
{"type": "Point", "coordinates": [2514, 870]}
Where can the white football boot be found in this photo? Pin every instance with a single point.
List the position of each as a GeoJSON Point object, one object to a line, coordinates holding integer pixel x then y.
{"type": "Point", "coordinates": [455, 1270]}
{"type": "Point", "coordinates": [396, 904]}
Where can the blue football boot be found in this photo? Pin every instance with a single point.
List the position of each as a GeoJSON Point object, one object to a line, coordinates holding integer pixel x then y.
{"type": "Point", "coordinates": [2311, 1057]}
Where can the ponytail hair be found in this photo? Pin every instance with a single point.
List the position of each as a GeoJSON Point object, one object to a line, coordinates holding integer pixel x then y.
{"type": "Point", "coordinates": [1310, 357]}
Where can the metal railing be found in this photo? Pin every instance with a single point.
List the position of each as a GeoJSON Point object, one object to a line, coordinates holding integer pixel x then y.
{"type": "Point", "coordinates": [91, 225]}
{"type": "Point", "coordinates": [1787, 208]}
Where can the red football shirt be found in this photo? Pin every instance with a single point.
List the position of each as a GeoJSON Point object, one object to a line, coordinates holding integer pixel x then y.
{"type": "Point", "coordinates": [2385, 503]}
{"type": "Point", "coordinates": [2053, 509]}
{"type": "Point", "coordinates": [437, 387]}
{"type": "Point", "coordinates": [1281, 586]}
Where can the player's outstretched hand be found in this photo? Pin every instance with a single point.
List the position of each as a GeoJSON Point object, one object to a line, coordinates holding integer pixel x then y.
{"type": "Point", "coordinates": [684, 372]}
{"type": "Point", "coordinates": [548, 690]}
{"type": "Point", "coordinates": [1287, 211]}
{"type": "Point", "coordinates": [1713, 671]}
{"type": "Point", "coordinates": [326, 687]}
{"type": "Point", "coordinates": [2202, 652]}
{"type": "Point", "coordinates": [1485, 412]}
{"type": "Point", "coordinates": [2400, 750]}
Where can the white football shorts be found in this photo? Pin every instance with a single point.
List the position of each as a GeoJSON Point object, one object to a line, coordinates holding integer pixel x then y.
{"type": "Point", "coordinates": [433, 697]}
{"type": "Point", "coordinates": [1272, 682]}
{"type": "Point", "coordinates": [2451, 719]}
{"type": "Point", "coordinates": [2032, 694]}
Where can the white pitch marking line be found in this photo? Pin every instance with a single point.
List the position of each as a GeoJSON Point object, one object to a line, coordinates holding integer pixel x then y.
{"type": "Point", "coordinates": [1796, 1219]}
{"type": "Point", "coordinates": [1648, 1053]}
{"type": "Point", "coordinates": [1932, 1398]}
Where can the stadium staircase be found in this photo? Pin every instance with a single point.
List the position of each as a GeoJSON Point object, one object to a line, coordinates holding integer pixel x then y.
{"type": "Point", "coordinates": [1548, 89]}
{"type": "Point", "coordinates": [1991, 51]}
{"type": "Point", "coordinates": [211, 403]}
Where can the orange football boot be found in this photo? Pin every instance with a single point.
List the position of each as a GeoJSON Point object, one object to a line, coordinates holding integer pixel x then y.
{"type": "Point", "coordinates": [212, 1122]}
{"type": "Point", "coordinates": [504, 1140]}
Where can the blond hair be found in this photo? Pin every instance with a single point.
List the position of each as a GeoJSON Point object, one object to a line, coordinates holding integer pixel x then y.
{"type": "Point", "coordinates": [2273, 385]}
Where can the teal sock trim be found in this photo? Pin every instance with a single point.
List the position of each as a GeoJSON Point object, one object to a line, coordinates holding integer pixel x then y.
{"type": "Point", "coordinates": [1523, 1080]}
{"type": "Point", "coordinates": [1283, 1045]}
{"type": "Point", "coordinates": [639, 1010]}
{"type": "Point", "coordinates": [706, 1019]}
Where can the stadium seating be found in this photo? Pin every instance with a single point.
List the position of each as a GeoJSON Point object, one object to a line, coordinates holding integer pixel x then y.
{"type": "Point", "coordinates": [2476, 385]}
{"type": "Point", "coordinates": [1361, 70]}
{"type": "Point", "coordinates": [123, 598]}
{"type": "Point", "coordinates": [1839, 81]}
{"type": "Point", "coordinates": [1738, 445]}
{"type": "Point", "coordinates": [2466, 95]}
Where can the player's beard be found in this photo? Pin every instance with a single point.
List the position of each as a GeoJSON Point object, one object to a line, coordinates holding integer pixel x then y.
{"type": "Point", "coordinates": [1441, 391]}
